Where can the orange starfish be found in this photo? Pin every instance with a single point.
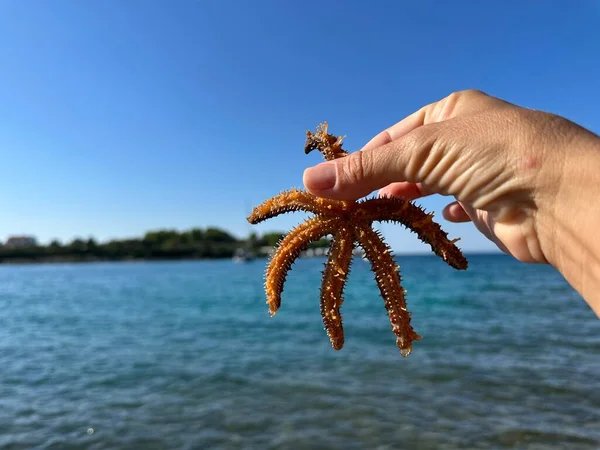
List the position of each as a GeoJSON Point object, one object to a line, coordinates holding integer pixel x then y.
{"type": "Point", "coordinates": [350, 223]}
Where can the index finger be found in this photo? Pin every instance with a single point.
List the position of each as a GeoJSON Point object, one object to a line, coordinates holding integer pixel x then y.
{"type": "Point", "coordinates": [454, 105]}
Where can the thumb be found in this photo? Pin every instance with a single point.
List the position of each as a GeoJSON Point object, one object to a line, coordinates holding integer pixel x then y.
{"type": "Point", "coordinates": [367, 170]}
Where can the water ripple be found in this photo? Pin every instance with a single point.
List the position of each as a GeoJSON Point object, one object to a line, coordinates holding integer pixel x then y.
{"type": "Point", "coordinates": [184, 355]}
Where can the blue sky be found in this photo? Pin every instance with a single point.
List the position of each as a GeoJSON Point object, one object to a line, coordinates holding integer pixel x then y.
{"type": "Point", "coordinates": [120, 117]}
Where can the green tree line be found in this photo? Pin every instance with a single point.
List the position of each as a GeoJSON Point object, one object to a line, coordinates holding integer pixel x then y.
{"type": "Point", "coordinates": [196, 243]}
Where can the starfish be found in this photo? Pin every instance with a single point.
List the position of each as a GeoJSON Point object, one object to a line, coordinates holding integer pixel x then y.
{"type": "Point", "coordinates": [350, 224]}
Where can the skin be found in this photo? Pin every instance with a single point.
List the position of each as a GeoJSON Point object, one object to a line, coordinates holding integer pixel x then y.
{"type": "Point", "coordinates": [528, 180]}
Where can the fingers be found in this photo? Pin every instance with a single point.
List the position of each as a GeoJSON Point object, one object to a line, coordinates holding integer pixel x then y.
{"type": "Point", "coordinates": [398, 130]}
{"type": "Point", "coordinates": [362, 172]}
{"type": "Point", "coordinates": [458, 212]}
{"type": "Point", "coordinates": [399, 153]}
{"type": "Point", "coordinates": [324, 178]}
{"type": "Point", "coordinates": [405, 190]}
{"type": "Point", "coordinates": [454, 212]}
{"type": "Point", "coordinates": [351, 177]}
{"type": "Point", "coordinates": [454, 105]}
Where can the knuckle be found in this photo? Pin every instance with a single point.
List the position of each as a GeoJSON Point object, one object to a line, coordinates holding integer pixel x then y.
{"type": "Point", "coordinates": [416, 147]}
{"type": "Point", "coordinates": [413, 141]}
{"type": "Point", "coordinates": [470, 94]}
{"type": "Point", "coordinates": [447, 107]}
{"type": "Point", "coordinates": [356, 167]}
{"type": "Point", "coordinates": [465, 95]}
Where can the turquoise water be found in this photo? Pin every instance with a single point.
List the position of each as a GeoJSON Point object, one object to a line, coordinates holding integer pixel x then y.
{"type": "Point", "coordinates": [184, 355]}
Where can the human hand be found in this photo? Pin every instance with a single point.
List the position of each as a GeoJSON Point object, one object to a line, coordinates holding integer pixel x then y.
{"type": "Point", "coordinates": [513, 171]}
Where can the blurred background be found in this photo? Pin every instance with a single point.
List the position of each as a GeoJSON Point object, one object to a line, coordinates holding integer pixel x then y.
{"type": "Point", "coordinates": [135, 139]}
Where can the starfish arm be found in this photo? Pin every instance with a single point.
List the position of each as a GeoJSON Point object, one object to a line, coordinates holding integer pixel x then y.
{"type": "Point", "coordinates": [288, 250]}
{"type": "Point", "coordinates": [335, 274]}
{"type": "Point", "coordinates": [414, 218]}
{"type": "Point", "coordinates": [329, 145]}
{"type": "Point", "coordinates": [293, 200]}
{"type": "Point", "coordinates": [388, 281]}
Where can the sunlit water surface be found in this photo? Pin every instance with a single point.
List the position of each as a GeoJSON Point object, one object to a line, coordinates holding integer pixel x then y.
{"type": "Point", "coordinates": [183, 355]}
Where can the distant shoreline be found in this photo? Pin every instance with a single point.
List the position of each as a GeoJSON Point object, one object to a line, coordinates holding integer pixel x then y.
{"type": "Point", "coordinates": [211, 243]}
{"type": "Point", "coordinates": [91, 259]}
{"type": "Point", "coordinates": [68, 259]}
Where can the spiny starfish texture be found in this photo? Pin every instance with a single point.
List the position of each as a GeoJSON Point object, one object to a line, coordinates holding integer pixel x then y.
{"type": "Point", "coordinates": [350, 224]}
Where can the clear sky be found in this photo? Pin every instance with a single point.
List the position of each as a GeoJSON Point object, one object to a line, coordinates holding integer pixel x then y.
{"type": "Point", "coordinates": [118, 117]}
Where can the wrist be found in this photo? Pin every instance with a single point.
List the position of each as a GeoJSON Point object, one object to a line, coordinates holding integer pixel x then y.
{"type": "Point", "coordinates": [569, 222]}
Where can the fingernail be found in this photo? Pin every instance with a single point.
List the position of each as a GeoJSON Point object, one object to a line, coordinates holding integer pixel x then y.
{"type": "Point", "coordinates": [320, 177]}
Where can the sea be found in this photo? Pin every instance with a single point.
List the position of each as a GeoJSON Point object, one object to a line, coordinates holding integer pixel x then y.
{"type": "Point", "coordinates": [183, 355]}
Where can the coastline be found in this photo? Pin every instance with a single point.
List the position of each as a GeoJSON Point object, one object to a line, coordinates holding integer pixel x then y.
{"type": "Point", "coordinates": [95, 259]}
{"type": "Point", "coordinates": [70, 259]}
